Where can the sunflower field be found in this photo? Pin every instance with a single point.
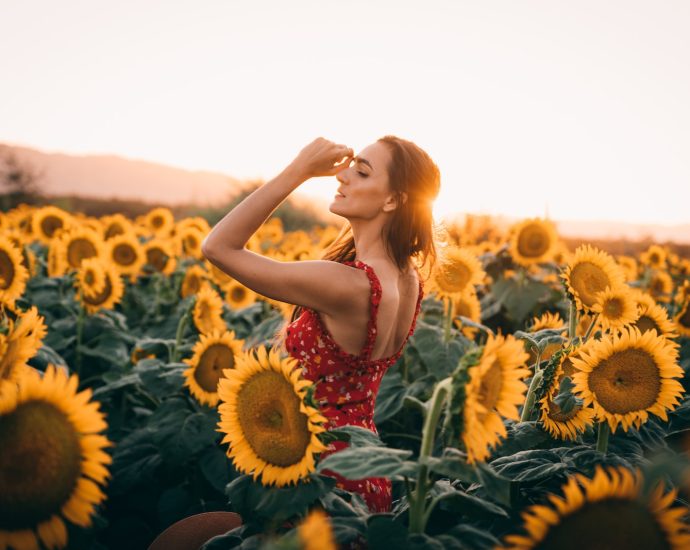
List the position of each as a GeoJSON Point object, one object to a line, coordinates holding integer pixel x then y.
{"type": "Point", "coordinates": [540, 403]}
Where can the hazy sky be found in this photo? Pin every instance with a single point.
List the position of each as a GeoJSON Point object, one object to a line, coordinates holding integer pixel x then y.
{"type": "Point", "coordinates": [579, 109]}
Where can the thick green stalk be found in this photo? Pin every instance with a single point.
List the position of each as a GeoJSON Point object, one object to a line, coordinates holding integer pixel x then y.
{"type": "Point", "coordinates": [572, 320]}
{"type": "Point", "coordinates": [181, 326]}
{"type": "Point", "coordinates": [532, 392]}
{"type": "Point", "coordinates": [591, 327]}
{"type": "Point", "coordinates": [418, 515]}
{"type": "Point", "coordinates": [603, 437]}
{"type": "Point", "coordinates": [447, 319]}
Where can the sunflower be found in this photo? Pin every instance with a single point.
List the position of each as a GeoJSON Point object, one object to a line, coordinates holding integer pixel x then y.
{"type": "Point", "coordinates": [564, 425]}
{"type": "Point", "coordinates": [160, 221]}
{"type": "Point", "coordinates": [654, 257]}
{"type": "Point", "coordinates": [114, 225]}
{"type": "Point", "coordinates": [616, 308]}
{"type": "Point", "coordinates": [589, 273]}
{"type": "Point", "coordinates": [196, 222]}
{"type": "Point", "coordinates": [238, 296]}
{"type": "Point", "coordinates": [660, 285]}
{"type": "Point", "coordinates": [90, 277]}
{"type": "Point", "coordinates": [189, 242]}
{"type": "Point", "coordinates": [46, 223]}
{"type": "Point", "coordinates": [271, 429]}
{"type": "Point", "coordinates": [52, 459]}
{"type": "Point", "coordinates": [208, 311]}
{"type": "Point", "coordinates": [682, 318]}
{"type": "Point", "coordinates": [533, 241]}
{"type": "Point", "coordinates": [495, 388]}
{"type": "Point", "coordinates": [467, 305]}
{"type": "Point", "coordinates": [315, 532]}
{"type": "Point", "coordinates": [13, 275]}
{"type": "Point", "coordinates": [607, 511]}
{"type": "Point", "coordinates": [126, 253]}
{"type": "Point", "coordinates": [112, 292]}
{"type": "Point", "coordinates": [194, 278]}
{"type": "Point", "coordinates": [23, 338]}
{"type": "Point", "coordinates": [217, 275]}
{"type": "Point", "coordinates": [629, 266]}
{"type": "Point", "coordinates": [547, 320]}
{"type": "Point", "coordinates": [271, 231]}
{"type": "Point", "coordinates": [77, 244]}
{"type": "Point", "coordinates": [653, 316]}
{"type": "Point", "coordinates": [625, 377]}
{"type": "Point", "coordinates": [160, 256]}
{"type": "Point", "coordinates": [212, 353]}
{"type": "Point", "coordinates": [456, 273]}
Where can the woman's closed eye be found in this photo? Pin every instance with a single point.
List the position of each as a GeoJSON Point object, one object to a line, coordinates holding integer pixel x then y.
{"type": "Point", "coordinates": [364, 175]}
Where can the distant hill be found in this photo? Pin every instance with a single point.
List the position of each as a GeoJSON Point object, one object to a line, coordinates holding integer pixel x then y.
{"type": "Point", "coordinates": [110, 176]}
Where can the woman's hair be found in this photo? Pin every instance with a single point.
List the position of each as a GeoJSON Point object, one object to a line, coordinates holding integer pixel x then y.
{"type": "Point", "coordinates": [411, 231]}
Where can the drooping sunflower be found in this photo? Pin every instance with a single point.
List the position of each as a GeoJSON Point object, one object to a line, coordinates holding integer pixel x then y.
{"type": "Point", "coordinates": [23, 339]}
{"type": "Point", "coordinates": [47, 221]}
{"type": "Point", "coordinates": [590, 272]}
{"type": "Point", "coordinates": [607, 511]}
{"type": "Point", "coordinates": [533, 241]}
{"type": "Point", "coordinates": [654, 257]}
{"type": "Point", "coordinates": [545, 321]}
{"type": "Point", "coordinates": [315, 532]}
{"type": "Point", "coordinates": [238, 296]}
{"type": "Point", "coordinates": [53, 462]}
{"type": "Point", "coordinates": [272, 430]}
{"type": "Point", "coordinates": [77, 244]}
{"type": "Point", "coordinates": [160, 256]}
{"type": "Point", "coordinates": [660, 285]}
{"type": "Point", "coordinates": [112, 292]}
{"type": "Point", "coordinates": [616, 308]}
{"type": "Point", "coordinates": [653, 316]}
{"type": "Point", "coordinates": [628, 376]}
{"type": "Point", "coordinates": [495, 389]}
{"type": "Point", "coordinates": [213, 353]}
{"type": "Point", "coordinates": [114, 225]}
{"type": "Point", "coordinates": [467, 305]}
{"type": "Point", "coordinates": [456, 273]}
{"type": "Point", "coordinates": [194, 278]}
{"type": "Point", "coordinates": [208, 311]}
{"type": "Point", "coordinates": [90, 277]}
{"type": "Point", "coordinates": [126, 254]}
{"type": "Point", "coordinates": [160, 221]}
{"type": "Point", "coordinates": [13, 274]}
{"type": "Point", "coordinates": [564, 425]}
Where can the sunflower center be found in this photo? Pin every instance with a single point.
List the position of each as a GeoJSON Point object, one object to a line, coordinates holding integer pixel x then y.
{"type": "Point", "coordinates": [271, 420]}
{"type": "Point", "coordinates": [645, 323]}
{"type": "Point", "coordinates": [89, 278]}
{"type": "Point", "coordinates": [103, 295]}
{"type": "Point", "coordinates": [607, 524]}
{"type": "Point", "coordinates": [157, 221]}
{"type": "Point", "coordinates": [193, 284]}
{"type": "Point", "coordinates": [454, 277]}
{"type": "Point", "coordinates": [50, 224]}
{"type": "Point", "coordinates": [39, 464]}
{"type": "Point", "coordinates": [211, 364]}
{"type": "Point", "coordinates": [626, 381]}
{"type": "Point", "coordinates": [613, 308]}
{"type": "Point", "coordinates": [588, 279]}
{"type": "Point", "coordinates": [157, 258]}
{"type": "Point", "coordinates": [78, 250]}
{"type": "Point", "coordinates": [238, 294]}
{"type": "Point", "coordinates": [6, 270]}
{"type": "Point", "coordinates": [533, 242]}
{"type": "Point", "coordinates": [490, 387]}
{"type": "Point", "coordinates": [124, 254]}
{"type": "Point", "coordinates": [114, 229]}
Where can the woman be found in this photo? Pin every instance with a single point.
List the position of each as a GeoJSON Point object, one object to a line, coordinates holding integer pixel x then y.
{"type": "Point", "coordinates": [358, 305]}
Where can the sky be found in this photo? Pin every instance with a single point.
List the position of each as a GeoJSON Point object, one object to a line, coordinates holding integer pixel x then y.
{"type": "Point", "coordinates": [571, 110]}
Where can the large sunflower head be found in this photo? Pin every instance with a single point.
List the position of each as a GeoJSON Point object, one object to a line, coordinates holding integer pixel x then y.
{"type": "Point", "coordinates": [13, 274]}
{"type": "Point", "coordinates": [495, 389]}
{"type": "Point", "coordinates": [22, 340]}
{"type": "Point", "coordinates": [533, 241]}
{"type": "Point", "coordinates": [213, 353]}
{"type": "Point", "coordinates": [160, 221]}
{"type": "Point", "coordinates": [616, 307]}
{"type": "Point", "coordinates": [126, 254]}
{"type": "Point", "coordinates": [272, 431]}
{"type": "Point", "coordinates": [628, 376]}
{"type": "Point", "coordinates": [238, 296]}
{"type": "Point", "coordinates": [160, 256]}
{"type": "Point", "coordinates": [653, 316]}
{"type": "Point", "coordinates": [607, 511]}
{"type": "Point", "coordinates": [208, 311]}
{"type": "Point", "coordinates": [189, 242]}
{"type": "Point", "coordinates": [48, 221]}
{"type": "Point", "coordinates": [590, 272]}
{"type": "Point", "coordinates": [112, 290]}
{"type": "Point", "coordinates": [78, 244]}
{"type": "Point", "coordinates": [53, 460]}
{"type": "Point", "coordinates": [456, 273]}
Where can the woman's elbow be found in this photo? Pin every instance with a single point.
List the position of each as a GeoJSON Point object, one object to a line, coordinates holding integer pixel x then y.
{"type": "Point", "coordinates": [208, 250]}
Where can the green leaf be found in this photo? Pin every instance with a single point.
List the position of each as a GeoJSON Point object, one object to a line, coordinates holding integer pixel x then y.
{"type": "Point", "coordinates": [389, 398]}
{"type": "Point", "coordinates": [384, 532]}
{"type": "Point", "coordinates": [356, 436]}
{"type": "Point", "coordinates": [459, 502]}
{"type": "Point", "coordinates": [363, 462]}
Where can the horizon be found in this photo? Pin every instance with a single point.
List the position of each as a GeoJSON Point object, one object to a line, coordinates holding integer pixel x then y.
{"type": "Point", "coordinates": [529, 110]}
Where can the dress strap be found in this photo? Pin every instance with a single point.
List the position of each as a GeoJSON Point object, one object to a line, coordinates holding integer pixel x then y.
{"type": "Point", "coordinates": [374, 301]}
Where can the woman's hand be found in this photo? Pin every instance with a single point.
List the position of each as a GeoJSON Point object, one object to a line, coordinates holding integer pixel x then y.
{"type": "Point", "coordinates": [322, 158]}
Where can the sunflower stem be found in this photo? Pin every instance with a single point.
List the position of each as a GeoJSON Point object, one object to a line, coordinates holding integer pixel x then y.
{"type": "Point", "coordinates": [418, 516]}
{"type": "Point", "coordinates": [448, 320]}
{"type": "Point", "coordinates": [572, 320]}
{"type": "Point", "coordinates": [532, 392]}
{"type": "Point", "coordinates": [181, 326]}
{"type": "Point", "coordinates": [591, 327]}
{"type": "Point", "coordinates": [603, 437]}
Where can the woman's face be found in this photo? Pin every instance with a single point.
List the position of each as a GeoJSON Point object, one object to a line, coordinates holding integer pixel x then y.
{"type": "Point", "coordinates": [364, 184]}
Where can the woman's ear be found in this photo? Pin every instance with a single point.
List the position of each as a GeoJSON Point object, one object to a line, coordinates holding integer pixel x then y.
{"type": "Point", "coordinates": [391, 204]}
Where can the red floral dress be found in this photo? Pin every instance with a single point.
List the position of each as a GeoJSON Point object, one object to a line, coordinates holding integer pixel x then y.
{"type": "Point", "coordinates": [346, 385]}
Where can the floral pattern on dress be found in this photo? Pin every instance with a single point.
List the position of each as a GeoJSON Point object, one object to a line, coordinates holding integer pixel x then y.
{"type": "Point", "coordinates": [345, 384]}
